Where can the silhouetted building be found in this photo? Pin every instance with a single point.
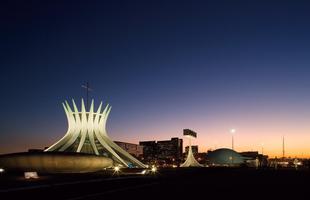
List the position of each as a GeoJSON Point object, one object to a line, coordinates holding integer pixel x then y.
{"type": "Point", "coordinates": [251, 156]}
{"type": "Point", "coordinates": [288, 162]}
{"type": "Point", "coordinates": [201, 157]}
{"type": "Point", "coordinates": [134, 149]}
{"type": "Point", "coordinates": [224, 157]}
{"type": "Point", "coordinates": [194, 149]}
{"type": "Point", "coordinates": [149, 149]}
{"type": "Point", "coordinates": [171, 149]}
{"type": "Point", "coordinates": [166, 152]}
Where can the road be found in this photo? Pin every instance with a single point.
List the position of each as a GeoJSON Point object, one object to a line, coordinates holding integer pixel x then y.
{"type": "Point", "coordinates": [170, 183]}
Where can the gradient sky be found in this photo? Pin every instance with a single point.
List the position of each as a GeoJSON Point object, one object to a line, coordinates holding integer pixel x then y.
{"type": "Point", "coordinates": [163, 66]}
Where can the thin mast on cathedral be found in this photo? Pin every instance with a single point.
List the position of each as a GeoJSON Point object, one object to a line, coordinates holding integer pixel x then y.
{"type": "Point", "coordinates": [88, 89]}
{"type": "Point", "coordinates": [87, 133]}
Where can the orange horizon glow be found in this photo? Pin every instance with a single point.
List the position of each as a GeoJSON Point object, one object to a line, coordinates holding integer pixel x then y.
{"type": "Point", "coordinates": [249, 135]}
{"type": "Point", "coordinates": [211, 134]}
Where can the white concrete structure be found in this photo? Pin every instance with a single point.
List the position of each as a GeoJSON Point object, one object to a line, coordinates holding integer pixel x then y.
{"type": "Point", "coordinates": [87, 134]}
{"type": "Point", "coordinates": [190, 160]}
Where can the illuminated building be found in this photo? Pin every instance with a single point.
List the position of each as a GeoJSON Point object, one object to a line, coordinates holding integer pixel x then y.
{"type": "Point", "coordinates": [87, 134]}
{"type": "Point", "coordinates": [85, 147]}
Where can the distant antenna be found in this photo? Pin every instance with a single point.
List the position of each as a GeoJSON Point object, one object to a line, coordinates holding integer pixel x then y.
{"type": "Point", "coordinates": [283, 148]}
{"type": "Point", "coordinates": [88, 89]}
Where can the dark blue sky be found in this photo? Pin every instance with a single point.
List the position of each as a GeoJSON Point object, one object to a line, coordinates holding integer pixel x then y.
{"type": "Point", "coordinates": [162, 65]}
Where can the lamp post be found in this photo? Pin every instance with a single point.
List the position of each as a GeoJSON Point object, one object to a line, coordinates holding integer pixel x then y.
{"type": "Point", "coordinates": [232, 131]}
{"type": "Point", "coordinates": [262, 148]}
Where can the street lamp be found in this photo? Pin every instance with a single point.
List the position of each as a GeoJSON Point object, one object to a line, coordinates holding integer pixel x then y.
{"type": "Point", "coordinates": [154, 169]}
{"type": "Point", "coordinates": [1, 170]}
{"type": "Point", "coordinates": [116, 168]}
{"type": "Point", "coordinates": [232, 131]}
{"type": "Point", "coordinates": [262, 148]}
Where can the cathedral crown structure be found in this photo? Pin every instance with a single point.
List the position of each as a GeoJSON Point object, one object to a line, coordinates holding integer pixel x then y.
{"type": "Point", "coordinates": [87, 134]}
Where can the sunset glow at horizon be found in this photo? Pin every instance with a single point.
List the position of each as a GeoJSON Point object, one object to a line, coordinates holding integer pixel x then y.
{"type": "Point", "coordinates": [213, 132]}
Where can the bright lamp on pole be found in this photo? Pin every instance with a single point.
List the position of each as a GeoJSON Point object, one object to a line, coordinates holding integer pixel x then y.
{"type": "Point", "coordinates": [232, 131]}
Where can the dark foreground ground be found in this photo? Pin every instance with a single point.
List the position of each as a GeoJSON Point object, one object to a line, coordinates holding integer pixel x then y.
{"type": "Point", "coordinates": [202, 183]}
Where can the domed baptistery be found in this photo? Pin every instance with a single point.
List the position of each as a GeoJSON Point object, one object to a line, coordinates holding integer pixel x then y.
{"type": "Point", "coordinates": [224, 157]}
{"type": "Point", "coordinates": [54, 162]}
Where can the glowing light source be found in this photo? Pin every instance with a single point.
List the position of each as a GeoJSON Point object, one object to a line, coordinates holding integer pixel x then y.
{"type": "Point", "coordinates": [232, 131]}
{"type": "Point", "coordinates": [116, 168]}
{"type": "Point", "coordinates": [1, 170]}
{"type": "Point", "coordinates": [154, 169]}
{"type": "Point", "coordinates": [29, 175]}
